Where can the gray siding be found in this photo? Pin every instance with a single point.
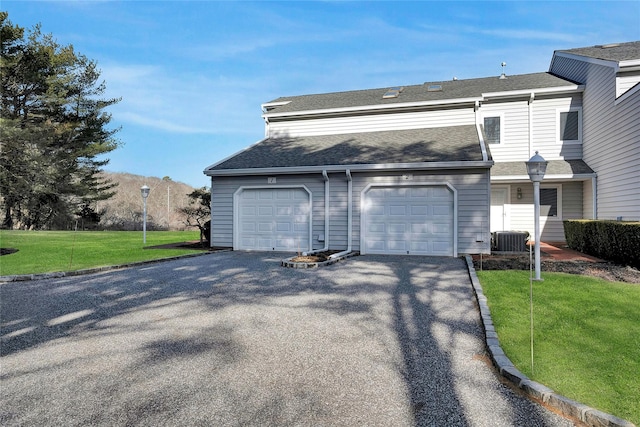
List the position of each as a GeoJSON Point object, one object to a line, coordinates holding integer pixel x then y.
{"type": "Point", "coordinates": [223, 188]}
{"type": "Point", "coordinates": [473, 204]}
{"type": "Point", "coordinates": [611, 137]}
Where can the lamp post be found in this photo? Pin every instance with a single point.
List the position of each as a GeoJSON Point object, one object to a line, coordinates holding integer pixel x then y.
{"type": "Point", "coordinates": [144, 190]}
{"type": "Point", "coordinates": [536, 168]}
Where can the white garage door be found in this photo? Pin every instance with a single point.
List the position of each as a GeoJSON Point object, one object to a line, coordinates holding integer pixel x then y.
{"type": "Point", "coordinates": [408, 220]}
{"type": "Point", "coordinates": [273, 219]}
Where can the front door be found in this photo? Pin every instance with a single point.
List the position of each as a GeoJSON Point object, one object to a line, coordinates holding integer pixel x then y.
{"type": "Point", "coordinates": [498, 209]}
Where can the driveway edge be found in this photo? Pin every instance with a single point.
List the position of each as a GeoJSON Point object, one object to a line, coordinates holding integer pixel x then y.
{"type": "Point", "coordinates": [58, 274]}
{"type": "Point", "coordinates": [532, 389]}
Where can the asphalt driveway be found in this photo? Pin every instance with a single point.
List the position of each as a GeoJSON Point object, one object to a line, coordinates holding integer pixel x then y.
{"type": "Point", "coordinates": [233, 339]}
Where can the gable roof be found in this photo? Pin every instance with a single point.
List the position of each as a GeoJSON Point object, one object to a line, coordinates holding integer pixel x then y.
{"type": "Point", "coordinates": [452, 90]}
{"type": "Point", "coordinates": [404, 148]}
{"type": "Point", "coordinates": [617, 52]}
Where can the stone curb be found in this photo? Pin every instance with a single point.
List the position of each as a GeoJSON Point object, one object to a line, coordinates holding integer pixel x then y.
{"type": "Point", "coordinates": [58, 274]}
{"type": "Point", "coordinates": [534, 390]}
{"type": "Point", "coordinates": [290, 264]}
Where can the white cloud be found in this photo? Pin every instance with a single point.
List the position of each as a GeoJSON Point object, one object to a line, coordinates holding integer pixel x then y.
{"type": "Point", "coordinates": [157, 98]}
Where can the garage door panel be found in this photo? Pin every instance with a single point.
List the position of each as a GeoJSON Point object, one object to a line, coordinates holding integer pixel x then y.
{"type": "Point", "coordinates": [420, 192]}
{"type": "Point", "coordinates": [284, 210]}
{"type": "Point", "coordinates": [249, 226]}
{"type": "Point", "coordinates": [265, 227]}
{"type": "Point", "coordinates": [420, 228]}
{"type": "Point", "coordinates": [442, 247]}
{"type": "Point", "coordinates": [396, 228]}
{"type": "Point", "coordinates": [376, 228]}
{"type": "Point", "coordinates": [419, 210]}
{"type": "Point", "coordinates": [374, 245]}
{"type": "Point", "coordinates": [283, 226]}
{"type": "Point", "coordinates": [273, 219]}
{"type": "Point", "coordinates": [265, 195]}
{"type": "Point", "coordinates": [419, 246]}
{"type": "Point", "coordinates": [442, 211]}
{"type": "Point", "coordinates": [248, 210]}
{"type": "Point", "coordinates": [409, 220]}
{"type": "Point", "coordinates": [376, 210]}
{"type": "Point", "coordinates": [397, 245]}
{"type": "Point", "coordinates": [395, 210]}
{"type": "Point", "coordinates": [265, 210]}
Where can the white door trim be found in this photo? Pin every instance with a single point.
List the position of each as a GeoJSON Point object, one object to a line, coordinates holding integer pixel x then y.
{"type": "Point", "coordinates": [236, 210]}
{"type": "Point", "coordinates": [451, 188]}
{"type": "Point", "coordinates": [506, 206]}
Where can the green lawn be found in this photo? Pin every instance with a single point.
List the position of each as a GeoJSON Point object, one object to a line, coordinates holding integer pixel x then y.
{"type": "Point", "coordinates": [51, 251]}
{"type": "Point", "coordinates": [586, 335]}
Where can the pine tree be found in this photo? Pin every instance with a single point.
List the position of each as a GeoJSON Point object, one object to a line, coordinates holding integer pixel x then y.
{"type": "Point", "coordinates": [53, 128]}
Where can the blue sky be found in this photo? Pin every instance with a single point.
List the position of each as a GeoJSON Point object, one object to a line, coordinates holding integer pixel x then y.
{"type": "Point", "coordinates": [192, 74]}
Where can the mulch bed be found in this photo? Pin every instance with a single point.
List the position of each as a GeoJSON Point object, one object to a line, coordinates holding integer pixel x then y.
{"type": "Point", "coordinates": [7, 251]}
{"type": "Point", "coordinates": [319, 257]}
{"type": "Point", "coordinates": [603, 270]}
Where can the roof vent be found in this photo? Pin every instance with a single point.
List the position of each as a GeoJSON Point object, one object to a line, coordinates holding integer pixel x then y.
{"type": "Point", "coordinates": [503, 75]}
{"type": "Point", "coordinates": [434, 88]}
{"type": "Point", "coordinates": [393, 92]}
{"type": "Point", "coordinates": [455, 79]}
{"type": "Point", "coordinates": [609, 46]}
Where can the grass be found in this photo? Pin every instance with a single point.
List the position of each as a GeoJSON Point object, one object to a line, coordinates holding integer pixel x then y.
{"type": "Point", "coordinates": [53, 251]}
{"type": "Point", "coordinates": [586, 335]}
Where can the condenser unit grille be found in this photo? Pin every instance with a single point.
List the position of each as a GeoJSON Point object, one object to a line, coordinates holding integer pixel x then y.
{"type": "Point", "coordinates": [510, 241]}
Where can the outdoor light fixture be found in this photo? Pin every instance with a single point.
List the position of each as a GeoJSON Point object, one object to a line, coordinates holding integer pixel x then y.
{"type": "Point", "coordinates": [536, 168]}
{"type": "Point", "coordinates": [144, 190]}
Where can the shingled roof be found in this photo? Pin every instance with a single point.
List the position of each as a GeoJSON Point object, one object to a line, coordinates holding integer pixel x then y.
{"type": "Point", "coordinates": [618, 52]}
{"type": "Point", "coordinates": [446, 144]}
{"type": "Point", "coordinates": [554, 167]}
{"type": "Point", "coordinates": [450, 90]}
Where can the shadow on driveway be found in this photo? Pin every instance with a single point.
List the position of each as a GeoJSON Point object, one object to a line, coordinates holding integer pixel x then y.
{"type": "Point", "coordinates": [235, 339]}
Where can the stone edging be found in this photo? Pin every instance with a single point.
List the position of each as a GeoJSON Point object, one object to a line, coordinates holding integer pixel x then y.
{"type": "Point", "coordinates": [290, 264]}
{"type": "Point", "coordinates": [57, 274]}
{"type": "Point", "coordinates": [532, 389]}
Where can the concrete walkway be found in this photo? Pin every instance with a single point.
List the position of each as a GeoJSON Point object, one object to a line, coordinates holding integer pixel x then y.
{"type": "Point", "coordinates": [234, 339]}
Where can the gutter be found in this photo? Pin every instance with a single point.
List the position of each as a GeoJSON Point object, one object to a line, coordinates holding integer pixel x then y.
{"type": "Point", "coordinates": [478, 164]}
{"type": "Point", "coordinates": [349, 217]}
{"type": "Point", "coordinates": [326, 216]}
{"type": "Point", "coordinates": [558, 177]}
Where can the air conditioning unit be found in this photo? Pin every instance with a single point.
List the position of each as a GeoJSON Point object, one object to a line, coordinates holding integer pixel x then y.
{"type": "Point", "coordinates": [509, 241]}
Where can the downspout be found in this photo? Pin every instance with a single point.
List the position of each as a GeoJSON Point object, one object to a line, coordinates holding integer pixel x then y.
{"type": "Point", "coordinates": [349, 216]}
{"type": "Point", "coordinates": [211, 215]}
{"type": "Point", "coordinates": [594, 190]}
{"type": "Point", "coordinates": [531, 97]}
{"type": "Point", "coordinates": [486, 231]}
{"type": "Point", "coordinates": [326, 216]}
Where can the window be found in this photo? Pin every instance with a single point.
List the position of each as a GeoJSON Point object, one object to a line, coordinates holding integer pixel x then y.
{"type": "Point", "coordinates": [550, 202]}
{"type": "Point", "coordinates": [492, 130]}
{"type": "Point", "coordinates": [570, 126]}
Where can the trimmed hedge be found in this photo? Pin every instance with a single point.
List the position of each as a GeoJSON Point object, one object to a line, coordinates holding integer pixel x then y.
{"type": "Point", "coordinates": [614, 241]}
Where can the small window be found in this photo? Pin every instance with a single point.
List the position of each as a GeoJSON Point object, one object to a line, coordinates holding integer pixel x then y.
{"type": "Point", "coordinates": [549, 202]}
{"type": "Point", "coordinates": [492, 129]}
{"type": "Point", "coordinates": [570, 126]}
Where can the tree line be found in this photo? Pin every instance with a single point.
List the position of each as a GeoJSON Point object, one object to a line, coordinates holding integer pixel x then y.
{"type": "Point", "coordinates": [53, 131]}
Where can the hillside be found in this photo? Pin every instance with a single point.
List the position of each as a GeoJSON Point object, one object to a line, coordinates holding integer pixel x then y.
{"type": "Point", "coordinates": [124, 210]}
